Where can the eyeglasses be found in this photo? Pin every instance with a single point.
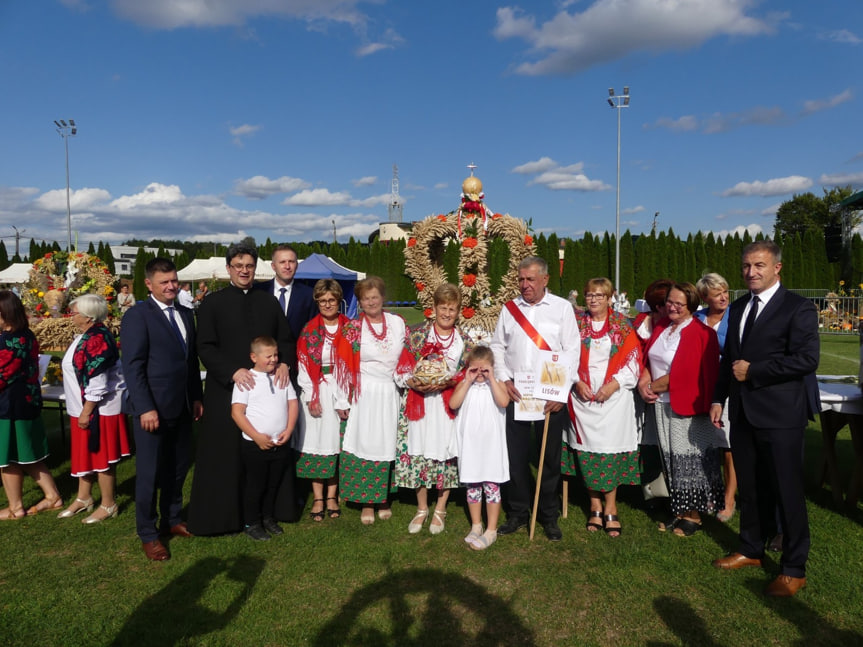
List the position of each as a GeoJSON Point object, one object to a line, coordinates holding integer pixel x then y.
{"type": "Point", "coordinates": [327, 302]}
{"type": "Point", "coordinates": [240, 268]}
{"type": "Point", "coordinates": [594, 296]}
{"type": "Point", "coordinates": [674, 305]}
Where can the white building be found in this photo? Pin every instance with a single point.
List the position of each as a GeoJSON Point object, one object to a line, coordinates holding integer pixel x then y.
{"type": "Point", "coordinates": [124, 257]}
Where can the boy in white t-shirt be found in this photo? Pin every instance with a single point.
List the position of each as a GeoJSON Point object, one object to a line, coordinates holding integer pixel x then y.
{"type": "Point", "coordinates": [266, 415]}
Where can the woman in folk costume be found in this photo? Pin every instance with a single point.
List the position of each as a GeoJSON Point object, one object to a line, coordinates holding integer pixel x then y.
{"type": "Point", "coordinates": [369, 446]}
{"type": "Point", "coordinates": [426, 435]}
{"type": "Point", "coordinates": [326, 361]}
{"type": "Point", "coordinates": [604, 434]}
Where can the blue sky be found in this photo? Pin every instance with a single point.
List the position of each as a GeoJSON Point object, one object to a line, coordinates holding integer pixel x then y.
{"type": "Point", "coordinates": [218, 119]}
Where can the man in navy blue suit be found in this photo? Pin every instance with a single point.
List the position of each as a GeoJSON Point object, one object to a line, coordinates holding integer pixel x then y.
{"type": "Point", "coordinates": [163, 379]}
{"type": "Point", "coordinates": [767, 373]}
{"type": "Point", "coordinates": [295, 298]}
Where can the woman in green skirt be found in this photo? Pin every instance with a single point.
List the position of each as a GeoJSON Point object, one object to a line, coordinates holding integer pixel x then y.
{"type": "Point", "coordinates": [23, 444]}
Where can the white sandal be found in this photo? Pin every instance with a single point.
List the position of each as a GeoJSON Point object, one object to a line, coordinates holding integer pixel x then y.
{"type": "Point", "coordinates": [418, 521]}
{"type": "Point", "coordinates": [484, 541]}
{"type": "Point", "coordinates": [86, 506]}
{"type": "Point", "coordinates": [474, 533]}
{"type": "Point", "coordinates": [439, 515]}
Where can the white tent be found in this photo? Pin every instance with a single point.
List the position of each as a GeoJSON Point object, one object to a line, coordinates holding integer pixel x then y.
{"type": "Point", "coordinates": [16, 273]}
{"type": "Point", "coordinates": [214, 268]}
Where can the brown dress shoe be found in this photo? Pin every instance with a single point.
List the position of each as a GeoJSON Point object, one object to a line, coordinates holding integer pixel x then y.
{"type": "Point", "coordinates": [180, 530]}
{"type": "Point", "coordinates": [785, 586]}
{"type": "Point", "coordinates": [155, 551]}
{"type": "Point", "coordinates": [735, 561]}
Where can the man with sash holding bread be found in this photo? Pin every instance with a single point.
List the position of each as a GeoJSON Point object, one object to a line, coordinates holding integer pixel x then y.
{"type": "Point", "coordinates": [529, 328]}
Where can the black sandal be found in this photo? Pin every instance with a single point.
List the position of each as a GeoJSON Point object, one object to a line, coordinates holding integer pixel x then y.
{"type": "Point", "coordinates": [334, 513]}
{"type": "Point", "coordinates": [594, 514]}
{"type": "Point", "coordinates": [608, 531]}
{"type": "Point", "coordinates": [317, 516]}
{"type": "Point", "coordinates": [687, 528]}
{"type": "Point", "coordinates": [669, 525]}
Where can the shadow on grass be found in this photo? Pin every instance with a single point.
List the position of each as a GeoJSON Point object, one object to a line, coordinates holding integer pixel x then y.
{"type": "Point", "coordinates": [425, 607]}
{"type": "Point", "coordinates": [174, 614]}
{"type": "Point", "coordinates": [682, 620]}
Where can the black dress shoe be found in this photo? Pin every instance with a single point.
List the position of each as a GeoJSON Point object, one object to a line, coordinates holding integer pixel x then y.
{"type": "Point", "coordinates": [512, 525]}
{"type": "Point", "coordinates": [272, 527]}
{"type": "Point", "coordinates": [257, 532]}
{"type": "Point", "coordinates": [552, 531]}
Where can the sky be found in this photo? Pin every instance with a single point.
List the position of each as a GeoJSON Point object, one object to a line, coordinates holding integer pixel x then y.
{"type": "Point", "coordinates": [213, 120]}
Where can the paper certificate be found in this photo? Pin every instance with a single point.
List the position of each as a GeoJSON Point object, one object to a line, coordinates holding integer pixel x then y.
{"type": "Point", "coordinates": [529, 408]}
{"type": "Point", "coordinates": [553, 369]}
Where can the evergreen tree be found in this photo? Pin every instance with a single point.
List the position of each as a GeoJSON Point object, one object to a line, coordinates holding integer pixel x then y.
{"type": "Point", "coordinates": [91, 250]}
{"type": "Point", "coordinates": [35, 251]}
{"type": "Point", "coordinates": [627, 265]}
{"type": "Point", "coordinates": [140, 288]}
{"type": "Point", "coordinates": [4, 256]}
{"type": "Point", "coordinates": [108, 257]}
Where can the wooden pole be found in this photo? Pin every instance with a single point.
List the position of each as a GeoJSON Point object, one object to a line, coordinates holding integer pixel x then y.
{"type": "Point", "coordinates": [539, 475]}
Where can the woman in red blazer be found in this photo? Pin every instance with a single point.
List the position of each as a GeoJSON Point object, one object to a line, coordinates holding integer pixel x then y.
{"type": "Point", "coordinates": [682, 365]}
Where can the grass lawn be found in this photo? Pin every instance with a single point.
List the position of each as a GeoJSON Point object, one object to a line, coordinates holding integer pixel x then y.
{"type": "Point", "coordinates": [340, 583]}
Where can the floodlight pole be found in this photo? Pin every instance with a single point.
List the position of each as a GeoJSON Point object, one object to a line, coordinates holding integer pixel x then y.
{"type": "Point", "coordinates": [66, 131]}
{"type": "Point", "coordinates": [618, 102]}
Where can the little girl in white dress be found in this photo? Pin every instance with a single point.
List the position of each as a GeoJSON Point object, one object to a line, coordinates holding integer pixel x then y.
{"type": "Point", "coordinates": [481, 435]}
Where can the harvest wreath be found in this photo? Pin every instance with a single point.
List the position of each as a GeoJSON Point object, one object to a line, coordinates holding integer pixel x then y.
{"type": "Point", "coordinates": [471, 225]}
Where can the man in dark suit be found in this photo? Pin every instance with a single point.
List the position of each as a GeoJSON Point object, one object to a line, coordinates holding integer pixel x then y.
{"type": "Point", "coordinates": [163, 380]}
{"type": "Point", "coordinates": [295, 298]}
{"type": "Point", "coordinates": [767, 373]}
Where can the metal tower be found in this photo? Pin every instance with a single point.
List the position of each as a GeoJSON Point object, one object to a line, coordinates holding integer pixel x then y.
{"type": "Point", "coordinates": [395, 208]}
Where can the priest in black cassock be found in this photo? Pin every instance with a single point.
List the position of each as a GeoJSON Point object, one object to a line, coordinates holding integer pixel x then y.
{"type": "Point", "coordinates": [228, 320]}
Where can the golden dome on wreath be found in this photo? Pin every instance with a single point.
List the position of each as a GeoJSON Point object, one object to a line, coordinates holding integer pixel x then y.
{"type": "Point", "coordinates": [472, 187]}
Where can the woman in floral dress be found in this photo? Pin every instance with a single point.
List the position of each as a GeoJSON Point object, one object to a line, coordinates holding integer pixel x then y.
{"type": "Point", "coordinates": [426, 439]}
{"type": "Point", "coordinates": [369, 445]}
{"type": "Point", "coordinates": [603, 434]}
{"type": "Point", "coordinates": [23, 444]}
{"type": "Point", "coordinates": [325, 359]}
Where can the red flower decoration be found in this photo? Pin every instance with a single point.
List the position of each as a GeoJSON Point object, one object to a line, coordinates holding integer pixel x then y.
{"type": "Point", "coordinates": [470, 243]}
{"type": "Point", "coordinates": [441, 217]}
{"type": "Point", "coordinates": [496, 216]}
{"type": "Point", "coordinates": [48, 255]}
{"type": "Point", "coordinates": [420, 286]}
{"type": "Point", "coordinates": [528, 240]}
{"type": "Point", "coordinates": [468, 312]}
{"type": "Point", "coordinates": [427, 313]}
{"type": "Point", "coordinates": [412, 242]}
{"type": "Point", "coordinates": [469, 280]}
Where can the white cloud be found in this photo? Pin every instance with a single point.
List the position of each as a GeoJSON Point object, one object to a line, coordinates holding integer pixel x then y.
{"type": "Point", "coordinates": [260, 187]}
{"type": "Point", "coordinates": [79, 199]}
{"type": "Point", "coordinates": [442, 185]}
{"type": "Point", "coordinates": [631, 210]}
{"type": "Point", "coordinates": [609, 30]}
{"type": "Point", "coordinates": [817, 105]}
{"type": "Point", "coordinates": [389, 40]}
{"type": "Point", "coordinates": [239, 132]}
{"type": "Point", "coordinates": [171, 14]}
{"type": "Point", "coordinates": [753, 230]}
{"type": "Point", "coordinates": [841, 179]}
{"type": "Point", "coordinates": [843, 36]}
{"type": "Point", "coordinates": [560, 178]}
{"type": "Point", "coordinates": [858, 157]}
{"type": "Point", "coordinates": [318, 198]}
{"type": "Point", "coordinates": [540, 165]}
{"type": "Point", "coordinates": [776, 186]}
{"type": "Point", "coordinates": [770, 212]}
{"type": "Point", "coordinates": [164, 211]}
{"type": "Point", "coordinates": [685, 123]}
{"type": "Point", "coordinates": [368, 180]}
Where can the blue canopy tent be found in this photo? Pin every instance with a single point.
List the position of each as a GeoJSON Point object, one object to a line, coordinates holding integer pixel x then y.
{"type": "Point", "coordinates": [318, 266]}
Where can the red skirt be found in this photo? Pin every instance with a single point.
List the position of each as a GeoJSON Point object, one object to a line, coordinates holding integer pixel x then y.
{"type": "Point", "coordinates": [113, 445]}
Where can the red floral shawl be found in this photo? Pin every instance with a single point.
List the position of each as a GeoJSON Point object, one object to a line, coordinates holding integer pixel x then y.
{"type": "Point", "coordinates": [345, 360]}
{"type": "Point", "coordinates": [624, 345]}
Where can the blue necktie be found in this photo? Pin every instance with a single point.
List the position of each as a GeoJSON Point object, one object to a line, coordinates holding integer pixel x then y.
{"type": "Point", "coordinates": [282, 300]}
{"type": "Point", "coordinates": [176, 327]}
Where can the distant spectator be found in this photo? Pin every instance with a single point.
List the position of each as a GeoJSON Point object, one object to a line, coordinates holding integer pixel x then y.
{"type": "Point", "coordinates": [184, 296]}
{"type": "Point", "coordinates": [125, 299]}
